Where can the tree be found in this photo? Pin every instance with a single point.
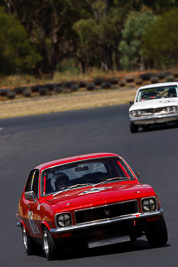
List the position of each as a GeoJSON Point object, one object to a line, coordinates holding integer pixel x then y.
{"type": "Point", "coordinates": [88, 31]}
{"type": "Point", "coordinates": [49, 27]}
{"type": "Point", "coordinates": [160, 41]}
{"type": "Point", "coordinates": [16, 53]}
{"type": "Point", "coordinates": [131, 44]}
{"type": "Point", "coordinates": [100, 33]}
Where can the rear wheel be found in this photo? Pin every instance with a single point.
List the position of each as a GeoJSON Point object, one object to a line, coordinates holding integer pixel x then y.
{"type": "Point", "coordinates": [156, 233]}
{"type": "Point", "coordinates": [133, 128]}
{"type": "Point", "coordinates": [49, 245]}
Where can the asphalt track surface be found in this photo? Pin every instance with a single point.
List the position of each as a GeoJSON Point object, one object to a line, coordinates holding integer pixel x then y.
{"type": "Point", "coordinates": [28, 141]}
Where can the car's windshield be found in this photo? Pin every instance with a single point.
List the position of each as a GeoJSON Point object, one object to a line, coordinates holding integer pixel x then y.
{"type": "Point", "coordinates": [84, 173]}
{"type": "Point", "coordinates": [156, 92]}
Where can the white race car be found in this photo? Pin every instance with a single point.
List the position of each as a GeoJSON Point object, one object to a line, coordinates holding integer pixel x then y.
{"type": "Point", "coordinates": [153, 104]}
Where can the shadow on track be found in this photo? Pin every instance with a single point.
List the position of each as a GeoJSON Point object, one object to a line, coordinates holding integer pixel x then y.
{"type": "Point", "coordinates": [158, 127]}
{"type": "Point", "coordinates": [138, 245]}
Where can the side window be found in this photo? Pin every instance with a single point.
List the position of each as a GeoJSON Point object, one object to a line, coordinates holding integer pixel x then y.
{"type": "Point", "coordinates": [32, 182]}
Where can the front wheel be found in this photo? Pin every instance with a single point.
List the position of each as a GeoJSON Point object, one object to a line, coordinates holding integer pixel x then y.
{"type": "Point", "coordinates": [156, 233]}
{"type": "Point", "coordinates": [133, 127]}
{"type": "Point", "coordinates": [49, 245]}
{"type": "Point", "coordinates": [146, 127]}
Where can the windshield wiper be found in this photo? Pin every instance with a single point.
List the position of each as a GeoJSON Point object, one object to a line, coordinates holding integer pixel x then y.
{"type": "Point", "coordinates": [111, 179]}
{"type": "Point", "coordinates": [115, 178]}
{"type": "Point", "coordinates": [78, 185]}
{"type": "Point", "coordinates": [71, 187]}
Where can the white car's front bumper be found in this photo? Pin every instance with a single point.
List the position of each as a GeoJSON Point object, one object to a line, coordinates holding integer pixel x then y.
{"type": "Point", "coordinates": [154, 119]}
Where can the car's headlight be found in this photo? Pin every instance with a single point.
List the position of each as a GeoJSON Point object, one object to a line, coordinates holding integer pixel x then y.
{"type": "Point", "coordinates": [64, 219]}
{"type": "Point", "coordinates": [136, 113]}
{"type": "Point", "coordinates": [171, 109]}
{"type": "Point", "coordinates": [149, 204]}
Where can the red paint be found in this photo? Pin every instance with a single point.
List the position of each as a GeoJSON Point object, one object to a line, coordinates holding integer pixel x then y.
{"type": "Point", "coordinates": [34, 215]}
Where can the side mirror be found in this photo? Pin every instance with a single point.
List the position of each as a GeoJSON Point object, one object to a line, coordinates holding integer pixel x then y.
{"type": "Point", "coordinates": [131, 102]}
{"type": "Point", "coordinates": [137, 174]}
{"type": "Point", "coordinates": [30, 195]}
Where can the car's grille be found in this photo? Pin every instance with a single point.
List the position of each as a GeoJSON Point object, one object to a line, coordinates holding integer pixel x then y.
{"type": "Point", "coordinates": [106, 212]}
{"type": "Point", "coordinates": [153, 110]}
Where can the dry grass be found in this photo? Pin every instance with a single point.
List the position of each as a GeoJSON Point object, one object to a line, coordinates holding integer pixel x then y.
{"type": "Point", "coordinates": [12, 81]}
{"type": "Point", "coordinates": [75, 101]}
{"type": "Point", "coordinates": [80, 100]}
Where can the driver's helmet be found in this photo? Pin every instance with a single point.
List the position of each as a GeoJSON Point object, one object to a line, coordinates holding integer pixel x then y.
{"type": "Point", "coordinates": [62, 180]}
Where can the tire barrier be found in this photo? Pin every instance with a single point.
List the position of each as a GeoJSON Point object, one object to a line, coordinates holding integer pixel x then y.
{"type": "Point", "coordinates": [106, 85]}
{"type": "Point", "coordinates": [11, 94]}
{"type": "Point", "coordinates": [90, 86]}
{"type": "Point", "coordinates": [154, 79]}
{"type": "Point", "coordinates": [130, 81]}
{"type": "Point", "coordinates": [27, 92]}
{"type": "Point", "coordinates": [74, 87]}
{"type": "Point", "coordinates": [4, 92]}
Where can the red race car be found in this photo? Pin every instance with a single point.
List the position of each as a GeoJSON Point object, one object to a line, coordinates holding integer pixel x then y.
{"type": "Point", "coordinates": [94, 200]}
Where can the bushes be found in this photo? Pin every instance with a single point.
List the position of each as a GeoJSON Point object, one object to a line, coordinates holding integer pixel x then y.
{"type": "Point", "coordinates": [16, 52]}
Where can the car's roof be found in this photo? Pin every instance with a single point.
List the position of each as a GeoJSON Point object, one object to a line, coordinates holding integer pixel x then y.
{"type": "Point", "coordinates": [153, 85]}
{"type": "Point", "coordinates": [74, 159]}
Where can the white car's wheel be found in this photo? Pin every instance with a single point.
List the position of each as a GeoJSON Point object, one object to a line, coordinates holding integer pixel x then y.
{"type": "Point", "coordinates": [133, 128]}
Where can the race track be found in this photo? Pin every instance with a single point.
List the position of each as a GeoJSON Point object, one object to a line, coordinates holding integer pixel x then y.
{"type": "Point", "coordinates": [29, 141]}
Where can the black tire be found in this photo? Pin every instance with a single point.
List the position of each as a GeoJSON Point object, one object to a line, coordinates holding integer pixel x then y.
{"type": "Point", "coordinates": [156, 233]}
{"type": "Point", "coordinates": [11, 94]}
{"type": "Point", "coordinates": [90, 86]}
{"type": "Point", "coordinates": [28, 242]}
{"type": "Point", "coordinates": [146, 127]}
{"type": "Point", "coordinates": [133, 128]}
{"type": "Point", "coordinates": [49, 245]}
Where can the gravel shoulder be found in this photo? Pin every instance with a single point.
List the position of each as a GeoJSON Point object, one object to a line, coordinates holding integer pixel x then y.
{"type": "Point", "coordinates": [73, 101]}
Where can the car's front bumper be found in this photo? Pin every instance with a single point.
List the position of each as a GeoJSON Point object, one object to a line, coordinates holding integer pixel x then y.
{"type": "Point", "coordinates": [154, 119]}
{"type": "Point", "coordinates": [106, 222]}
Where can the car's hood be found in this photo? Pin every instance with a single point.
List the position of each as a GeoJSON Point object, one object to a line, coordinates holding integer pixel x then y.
{"type": "Point", "coordinates": [100, 195]}
{"type": "Point", "coordinates": [154, 103]}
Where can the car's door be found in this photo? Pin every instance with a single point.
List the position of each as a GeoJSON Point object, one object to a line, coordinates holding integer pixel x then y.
{"type": "Point", "coordinates": [32, 203]}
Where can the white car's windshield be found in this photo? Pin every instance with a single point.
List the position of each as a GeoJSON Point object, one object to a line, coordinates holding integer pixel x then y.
{"type": "Point", "coordinates": [156, 92]}
{"type": "Point", "coordinates": [86, 173]}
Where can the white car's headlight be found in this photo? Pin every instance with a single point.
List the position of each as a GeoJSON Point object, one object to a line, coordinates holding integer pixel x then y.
{"type": "Point", "coordinates": [135, 113]}
{"type": "Point", "coordinates": [149, 204]}
{"type": "Point", "coordinates": [171, 109]}
{"type": "Point", "coordinates": [64, 219]}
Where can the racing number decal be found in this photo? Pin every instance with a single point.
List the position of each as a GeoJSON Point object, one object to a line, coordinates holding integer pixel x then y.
{"type": "Point", "coordinates": [32, 224]}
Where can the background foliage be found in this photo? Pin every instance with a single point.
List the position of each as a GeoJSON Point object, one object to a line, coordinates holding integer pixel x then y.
{"type": "Point", "coordinates": [41, 36]}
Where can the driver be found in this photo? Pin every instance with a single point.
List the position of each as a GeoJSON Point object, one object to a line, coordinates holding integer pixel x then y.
{"type": "Point", "coordinates": [62, 181]}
